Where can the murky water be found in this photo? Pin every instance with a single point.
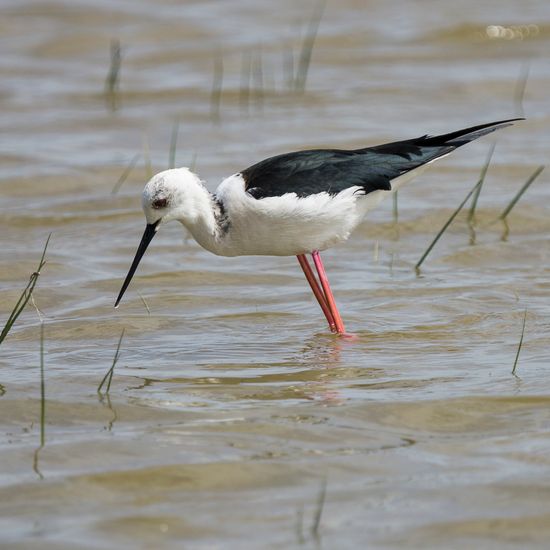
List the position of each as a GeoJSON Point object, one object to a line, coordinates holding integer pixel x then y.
{"type": "Point", "coordinates": [230, 405]}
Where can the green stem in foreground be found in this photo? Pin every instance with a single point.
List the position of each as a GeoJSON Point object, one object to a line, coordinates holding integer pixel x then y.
{"type": "Point", "coordinates": [25, 295]}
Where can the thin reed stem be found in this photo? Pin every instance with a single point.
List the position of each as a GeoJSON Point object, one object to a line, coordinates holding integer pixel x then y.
{"type": "Point", "coordinates": [480, 181]}
{"type": "Point", "coordinates": [447, 223]}
{"type": "Point", "coordinates": [519, 90]}
{"type": "Point", "coordinates": [308, 44]}
{"type": "Point", "coordinates": [524, 188]}
{"type": "Point", "coordinates": [144, 302]}
{"type": "Point", "coordinates": [217, 87]}
{"type": "Point", "coordinates": [520, 344]}
{"type": "Point", "coordinates": [36, 454]}
{"type": "Point", "coordinates": [319, 509]}
{"type": "Point", "coordinates": [109, 375]}
{"type": "Point", "coordinates": [42, 390]}
{"type": "Point", "coordinates": [124, 176]}
{"type": "Point", "coordinates": [244, 89]}
{"type": "Point", "coordinates": [147, 157]}
{"type": "Point", "coordinates": [25, 295]}
{"type": "Point", "coordinates": [174, 143]}
{"type": "Point", "coordinates": [113, 75]}
{"type": "Point", "coordinates": [258, 79]}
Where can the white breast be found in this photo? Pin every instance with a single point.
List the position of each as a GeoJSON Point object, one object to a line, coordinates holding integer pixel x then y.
{"type": "Point", "coordinates": [288, 225]}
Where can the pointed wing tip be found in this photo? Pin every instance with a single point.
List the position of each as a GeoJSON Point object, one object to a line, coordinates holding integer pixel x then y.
{"type": "Point", "coordinates": [509, 121]}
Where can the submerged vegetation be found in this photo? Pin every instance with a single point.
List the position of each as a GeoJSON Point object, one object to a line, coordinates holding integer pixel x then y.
{"type": "Point", "coordinates": [124, 176]}
{"type": "Point", "coordinates": [107, 379]}
{"type": "Point", "coordinates": [113, 75]}
{"type": "Point", "coordinates": [447, 224]}
{"type": "Point", "coordinates": [518, 195]}
{"type": "Point", "coordinates": [254, 81]}
{"type": "Point", "coordinates": [42, 407]}
{"type": "Point", "coordinates": [471, 213]}
{"type": "Point", "coordinates": [475, 191]}
{"type": "Point", "coordinates": [26, 295]}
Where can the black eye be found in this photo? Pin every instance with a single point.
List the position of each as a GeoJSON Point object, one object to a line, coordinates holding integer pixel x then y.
{"type": "Point", "coordinates": [159, 203]}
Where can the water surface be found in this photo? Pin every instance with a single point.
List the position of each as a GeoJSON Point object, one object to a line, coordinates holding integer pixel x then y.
{"type": "Point", "coordinates": [231, 406]}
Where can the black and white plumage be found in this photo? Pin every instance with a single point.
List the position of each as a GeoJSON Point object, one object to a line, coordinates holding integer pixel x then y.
{"type": "Point", "coordinates": [372, 168]}
{"type": "Point", "coordinates": [292, 204]}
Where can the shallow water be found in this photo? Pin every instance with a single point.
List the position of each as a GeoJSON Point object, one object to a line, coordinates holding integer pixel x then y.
{"type": "Point", "coordinates": [231, 406]}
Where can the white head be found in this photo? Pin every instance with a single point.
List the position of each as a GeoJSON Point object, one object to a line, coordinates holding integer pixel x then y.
{"type": "Point", "coordinates": [176, 194]}
{"type": "Point", "coordinates": [172, 195]}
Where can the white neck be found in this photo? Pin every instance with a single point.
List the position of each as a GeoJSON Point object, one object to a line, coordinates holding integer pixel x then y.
{"type": "Point", "coordinates": [204, 219]}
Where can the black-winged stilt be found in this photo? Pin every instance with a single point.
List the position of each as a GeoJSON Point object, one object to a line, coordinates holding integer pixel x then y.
{"type": "Point", "coordinates": [293, 204]}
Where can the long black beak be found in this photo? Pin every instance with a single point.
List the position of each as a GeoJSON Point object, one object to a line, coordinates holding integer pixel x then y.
{"type": "Point", "coordinates": [150, 231]}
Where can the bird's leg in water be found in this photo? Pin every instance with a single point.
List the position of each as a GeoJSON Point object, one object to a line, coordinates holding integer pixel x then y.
{"type": "Point", "coordinates": [340, 329]}
{"type": "Point", "coordinates": [310, 276]}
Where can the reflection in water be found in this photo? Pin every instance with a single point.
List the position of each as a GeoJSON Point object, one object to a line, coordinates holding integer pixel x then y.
{"type": "Point", "coordinates": [506, 230]}
{"type": "Point", "coordinates": [315, 373]}
{"type": "Point", "coordinates": [472, 232]}
{"type": "Point", "coordinates": [325, 350]}
{"type": "Point", "coordinates": [105, 399]}
{"type": "Point", "coordinates": [323, 355]}
{"type": "Point", "coordinates": [42, 407]}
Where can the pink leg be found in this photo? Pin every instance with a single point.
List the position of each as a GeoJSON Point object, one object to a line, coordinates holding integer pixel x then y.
{"type": "Point", "coordinates": [340, 329]}
{"type": "Point", "coordinates": [310, 276]}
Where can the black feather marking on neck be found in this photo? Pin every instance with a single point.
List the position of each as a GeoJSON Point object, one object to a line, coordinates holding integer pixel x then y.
{"type": "Point", "coordinates": [220, 214]}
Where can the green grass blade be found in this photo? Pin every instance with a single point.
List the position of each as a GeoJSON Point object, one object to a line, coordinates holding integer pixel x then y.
{"type": "Point", "coordinates": [395, 208]}
{"type": "Point", "coordinates": [18, 308]}
{"type": "Point", "coordinates": [25, 295]}
{"type": "Point", "coordinates": [524, 188]}
{"type": "Point", "coordinates": [471, 213]}
{"type": "Point", "coordinates": [520, 344]}
{"type": "Point", "coordinates": [447, 223]}
{"type": "Point", "coordinates": [109, 376]}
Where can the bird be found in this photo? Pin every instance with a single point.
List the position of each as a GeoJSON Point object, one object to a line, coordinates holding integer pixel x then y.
{"type": "Point", "coordinates": [293, 204]}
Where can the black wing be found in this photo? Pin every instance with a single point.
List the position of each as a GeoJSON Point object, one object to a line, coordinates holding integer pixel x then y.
{"type": "Point", "coordinates": [333, 170]}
